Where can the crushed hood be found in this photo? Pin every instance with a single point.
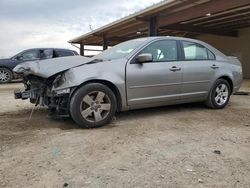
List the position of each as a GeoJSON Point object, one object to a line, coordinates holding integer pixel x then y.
{"type": "Point", "coordinates": [50, 67]}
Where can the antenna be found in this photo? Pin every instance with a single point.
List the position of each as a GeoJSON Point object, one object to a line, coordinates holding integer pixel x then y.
{"type": "Point", "coordinates": [90, 27]}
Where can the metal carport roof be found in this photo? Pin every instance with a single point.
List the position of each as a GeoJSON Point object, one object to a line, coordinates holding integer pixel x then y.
{"type": "Point", "coordinates": [187, 18]}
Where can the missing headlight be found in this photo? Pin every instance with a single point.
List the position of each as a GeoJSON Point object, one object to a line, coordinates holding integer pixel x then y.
{"type": "Point", "coordinates": [59, 80]}
{"type": "Point", "coordinates": [63, 91]}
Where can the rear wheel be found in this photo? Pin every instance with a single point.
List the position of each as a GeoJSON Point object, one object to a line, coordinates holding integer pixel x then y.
{"type": "Point", "coordinates": [5, 75]}
{"type": "Point", "coordinates": [219, 95]}
{"type": "Point", "coordinates": [93, 105]}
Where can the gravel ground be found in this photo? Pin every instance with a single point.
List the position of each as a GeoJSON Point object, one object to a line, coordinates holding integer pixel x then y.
{"type": "Point", "coordinates": [162, 147]}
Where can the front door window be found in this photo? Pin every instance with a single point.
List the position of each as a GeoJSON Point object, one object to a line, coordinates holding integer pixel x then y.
{"type": "Point", "coordinates": [30, 55]}
{"type": "Point", "coordinates": [164, 50]}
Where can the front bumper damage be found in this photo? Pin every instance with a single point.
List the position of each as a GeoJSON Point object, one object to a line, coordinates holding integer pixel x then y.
{"type": "Point", "coordinates": [42, 81]}
{"type": "Point", "coordinates": [57, 102]}
{"type": "Point", "coordinates": [19, 94]}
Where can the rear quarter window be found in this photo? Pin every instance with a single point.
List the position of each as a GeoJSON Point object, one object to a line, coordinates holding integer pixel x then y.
{"type": "Point", "coordinates": [211, 56]}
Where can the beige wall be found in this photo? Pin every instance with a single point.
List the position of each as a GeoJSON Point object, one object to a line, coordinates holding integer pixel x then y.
{"type": "Point", "coordinates": [239, 47]}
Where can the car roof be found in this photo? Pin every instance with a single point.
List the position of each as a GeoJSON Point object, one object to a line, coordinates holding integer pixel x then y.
{"type": "Point", "coordinates": [169, 37]}
{"type": "Point", "coordinates": [49, 48]}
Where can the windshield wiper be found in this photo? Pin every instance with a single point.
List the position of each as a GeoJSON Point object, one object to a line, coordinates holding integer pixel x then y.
{"type": "Point", "coordinates": [97, 60]}
{"type": "Point", "coordinates": [94, 61]}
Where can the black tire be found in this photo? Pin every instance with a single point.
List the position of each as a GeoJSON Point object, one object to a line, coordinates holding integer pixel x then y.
{"type": "Point", "coordinates": [6, 75]}
{"type": "Point", "coordinates": [211, 101]}
{"type": "Point", "coordinates": [78, 105]}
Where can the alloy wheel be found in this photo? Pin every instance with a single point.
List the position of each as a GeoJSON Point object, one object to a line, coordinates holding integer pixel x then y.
{"type": "Point", "coordinates": [95, 106]}
{"type": "Point", "coordinates": [221, 94]}
{"type": "Point", "coordinates": [4, 76]}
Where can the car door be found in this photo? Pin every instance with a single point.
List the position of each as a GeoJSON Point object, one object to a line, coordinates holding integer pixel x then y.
{"type": "Point", "coordinates": [158, 81]}
{"type": "Point", "coordinates": [27, 55]}
{"type": "Point", "coordinates": [199, 67]}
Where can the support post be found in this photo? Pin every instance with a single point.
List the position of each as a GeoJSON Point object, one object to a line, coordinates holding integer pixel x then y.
{"type": "Point", "coordinates": [153, 27]}
{"type": "Point", "coordinates": [82, 49]}
{"type": "Point", "coordinates": [104, 42]}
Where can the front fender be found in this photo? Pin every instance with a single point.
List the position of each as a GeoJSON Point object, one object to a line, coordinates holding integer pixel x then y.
{"type": "Point", "coordinates": [110, 72]}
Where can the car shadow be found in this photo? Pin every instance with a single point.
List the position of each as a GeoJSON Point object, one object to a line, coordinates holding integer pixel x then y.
{"type": "Point", "coordinates": [20, 121]}
{"type": "Point", "coordinates": [155, 111]}
{"type": "Point", "coordinates": [160, 110]}
{"type": "Point", "coordinates": [13, 82]}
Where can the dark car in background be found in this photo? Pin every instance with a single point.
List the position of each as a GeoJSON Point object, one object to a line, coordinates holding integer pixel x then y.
{"type": "Point", "coordinates": [6, 65]}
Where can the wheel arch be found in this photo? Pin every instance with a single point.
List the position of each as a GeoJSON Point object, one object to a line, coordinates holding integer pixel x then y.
{"type": "Point", "coordinates": [110, 85]}
{"type": "Point", "coordinates": [13, 74]}
{"type": "Point", "coordinates": [4, 67]}
{"type": "Point", "coordinates": [229, 80]}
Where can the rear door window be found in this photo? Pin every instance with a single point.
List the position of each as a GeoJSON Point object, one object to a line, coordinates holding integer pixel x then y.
{"type": "Point", "coordinates": [63, 53]}
{"type": "Point", "coordinates": [195, 51]}
{"type": "Point", "coordinates": [47, 54]}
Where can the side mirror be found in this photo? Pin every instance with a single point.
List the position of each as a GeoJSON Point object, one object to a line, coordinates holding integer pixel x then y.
{"type": "Point", "coordinates": [144, 58]}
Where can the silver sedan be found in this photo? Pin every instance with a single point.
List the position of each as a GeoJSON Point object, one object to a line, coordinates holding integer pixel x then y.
{"type": "Point", "coordinates": [140, 73]}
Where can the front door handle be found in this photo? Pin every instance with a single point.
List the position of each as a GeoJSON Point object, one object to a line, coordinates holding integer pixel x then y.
{"type": "Point", "coordinates": [214, 66]}
{"type": "Point", "coordinates": [174, 68]}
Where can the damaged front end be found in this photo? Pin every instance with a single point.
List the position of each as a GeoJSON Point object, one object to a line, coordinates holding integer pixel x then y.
{"type": "Point", "coordinates": [41, 78]}
{"type": "Point", "coordinates": [40, 92]}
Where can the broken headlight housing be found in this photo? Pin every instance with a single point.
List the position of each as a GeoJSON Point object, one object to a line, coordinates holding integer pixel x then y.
{"type": "Point", "coordinates": [59, 80]}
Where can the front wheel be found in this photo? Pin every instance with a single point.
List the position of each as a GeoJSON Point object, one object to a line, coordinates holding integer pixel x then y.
{"type": "Point", "coordinates": [93, 105]}
{"type": "Point", "coordinates": [219, 95]}
{"type": "Point", "coordinates": [5, 75]}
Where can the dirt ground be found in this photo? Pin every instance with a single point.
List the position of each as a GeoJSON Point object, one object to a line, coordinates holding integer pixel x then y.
{"type": "Point", "coordinates": [163, 147]}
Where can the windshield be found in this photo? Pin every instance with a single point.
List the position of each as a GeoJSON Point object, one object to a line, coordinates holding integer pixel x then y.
{"type": "Point", "coordinates": [121, 50]}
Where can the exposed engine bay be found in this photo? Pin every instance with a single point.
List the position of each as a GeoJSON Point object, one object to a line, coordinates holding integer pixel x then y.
{"type": "Point", "coordinates": [39, 91]}
{"type": "Point", "coordinates": [40, 80]}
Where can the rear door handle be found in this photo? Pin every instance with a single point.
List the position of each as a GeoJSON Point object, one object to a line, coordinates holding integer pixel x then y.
{"type": "Point", "coordinates": [174, 68]}
{"type": "Point", "coordinates": [214, 66]}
